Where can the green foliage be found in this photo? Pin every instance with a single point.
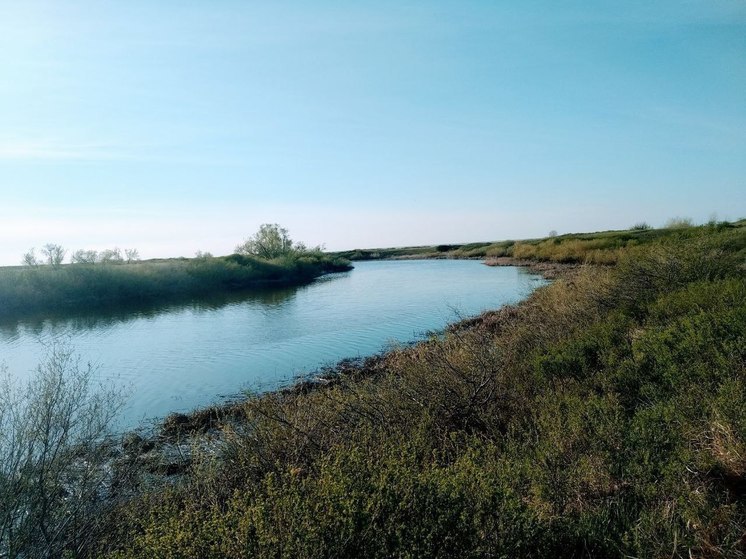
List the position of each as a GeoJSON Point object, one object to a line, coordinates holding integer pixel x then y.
{"type": "Point", "coordinates": [604, 248]}
{"type": "Point", "coordinates": [271, 241]}
{"type": "Point", "coordinates": [641, 226]}
{"type": "Point", "coordinates": [90, 286]}
{"type": "Point", "coordinates": [108, 279]}
{"type": "Point", "coordinates": [604, 416]}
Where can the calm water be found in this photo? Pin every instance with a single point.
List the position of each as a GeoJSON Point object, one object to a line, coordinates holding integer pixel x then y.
{"type": "Point", "coordinates": [181, 357]}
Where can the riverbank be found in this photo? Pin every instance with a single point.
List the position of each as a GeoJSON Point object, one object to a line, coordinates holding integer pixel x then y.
{"type": "Point", "coordinates": [80, 287]}
{"type": "Point", "coordinates": [603, 416]}
{"type": "Point", "coordinates": [602, 247]}
{"type": "Point", "coordinates": [547, 270]}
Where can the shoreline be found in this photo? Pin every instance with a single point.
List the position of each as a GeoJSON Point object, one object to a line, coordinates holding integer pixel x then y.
{"type": "Point", "coordinates": [165, 447]}
{"type": "Point", "coordinates": [204, 418]}
{"type": "Point", "coordinates": [548, 270]}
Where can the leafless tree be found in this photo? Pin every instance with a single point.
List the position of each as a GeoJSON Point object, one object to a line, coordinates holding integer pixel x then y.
{"type": "Point", "coordinates": [54, 254]}
{"type": "Point", "coordinates": [53, 456]}
{"type": "Point", "coordinates": [131, 254]}
{"type": "Point", "coordinates": [84, 257]}
{"type": "Point", "coordinates": [29, 258]}
{"type": "Point", "coordinates": [109, 256]}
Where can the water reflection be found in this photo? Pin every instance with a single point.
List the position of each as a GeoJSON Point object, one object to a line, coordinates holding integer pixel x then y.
{"type": "Point", "coordinates": [103, 319]}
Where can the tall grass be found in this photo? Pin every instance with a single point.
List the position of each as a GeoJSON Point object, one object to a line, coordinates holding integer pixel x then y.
{"type": "Point", "coordinates": [605, 416]}
{"type": "Point", "coordinates": [603, 248]}
{"type": "Point", "coordinates": [89, 286]}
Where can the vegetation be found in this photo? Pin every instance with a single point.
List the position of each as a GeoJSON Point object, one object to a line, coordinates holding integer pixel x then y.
{"type": "Point", "coordinates": [679, 223]}
{"type": "Point", "coordinates": [584, 248]}
{"type": "Point", "coordinates": [640, 226]}
{"type": "Point", "coordinates": [106, 279]}
{"type": "Point", "coordinates": [604, 416]}
{"type": "Point", "coordinates": [53, 457]}
{"type": "Point", "coordinates": [271, 241]}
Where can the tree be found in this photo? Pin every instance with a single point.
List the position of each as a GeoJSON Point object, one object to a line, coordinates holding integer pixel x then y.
{"type": "Point", "coordinates": [29, 258]}
{"type": "Point", "coordinates": [52, 457]}
{"type": "Point", "coordinates": [113, 255]}
{"type": "Point", "coordinates": [269, 242]}
{"type": "Point", "coordinates": [132, 255]}
{"type": "Point", "coordinates": [84, 257]}
{"type": "Point", "coordinates": [54, 254]}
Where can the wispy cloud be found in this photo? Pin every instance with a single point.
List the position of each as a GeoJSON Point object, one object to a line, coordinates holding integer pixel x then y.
{"type": "Point", "coordinates": [55, 151]}
{"type": "Point", "coordinates": [47, 150]}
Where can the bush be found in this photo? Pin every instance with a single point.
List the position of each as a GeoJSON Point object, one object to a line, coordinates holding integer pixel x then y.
{"type": "Point", "coordinates": [53, 457]}
{"type": "Point", "coordinates": [641, 226]}
{"type": "Point", "coordinates": [679, 223]}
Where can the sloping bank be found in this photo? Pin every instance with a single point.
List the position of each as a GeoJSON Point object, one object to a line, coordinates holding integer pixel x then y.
{"type": "Point", "coordinates": [603, 416]}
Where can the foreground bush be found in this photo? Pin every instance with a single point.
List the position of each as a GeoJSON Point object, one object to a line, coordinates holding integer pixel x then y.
{"type": "Point", "coordinates": [53, 457]}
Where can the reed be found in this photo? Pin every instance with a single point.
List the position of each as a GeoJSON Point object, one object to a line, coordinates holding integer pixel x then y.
{"type": "Point", "coordinates": [79, 287]}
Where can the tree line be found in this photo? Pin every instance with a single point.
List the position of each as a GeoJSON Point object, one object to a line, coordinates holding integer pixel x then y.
{"type": "Point", "coordinates": [54, 255]}
{"type": "Point", "coordinates": [269, 242]}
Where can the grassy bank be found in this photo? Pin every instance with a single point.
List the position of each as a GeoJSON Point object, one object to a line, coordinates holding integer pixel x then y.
{"type": "Point", "coordinates": [577, 248]}
{"type": "Point", "coordinates": [604, 416]}
{"type": "Point", "coordinates": [34, 289]}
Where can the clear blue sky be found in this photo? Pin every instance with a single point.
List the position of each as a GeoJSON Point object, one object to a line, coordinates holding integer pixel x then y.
{"type": "Point", "coordinates": [177, 126]}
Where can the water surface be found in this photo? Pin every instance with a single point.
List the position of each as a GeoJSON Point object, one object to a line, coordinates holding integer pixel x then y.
{"type": "Point", "coordinates": [184, 356]}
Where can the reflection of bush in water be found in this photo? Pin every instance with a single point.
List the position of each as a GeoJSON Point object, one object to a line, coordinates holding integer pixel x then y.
{"type": "Point", "coordinates": [102, 319]}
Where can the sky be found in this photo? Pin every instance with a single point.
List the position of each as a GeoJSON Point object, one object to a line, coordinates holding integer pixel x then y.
{"type": "Point", "coordinates": [173, 126]}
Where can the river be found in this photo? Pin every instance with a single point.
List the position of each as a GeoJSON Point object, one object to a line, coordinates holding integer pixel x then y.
{"type": "Point", "coordinates": [184, 356]}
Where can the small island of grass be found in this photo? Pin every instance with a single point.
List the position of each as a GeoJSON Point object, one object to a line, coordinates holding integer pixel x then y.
{"type": "Point", "coordinates": [92, 282]}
